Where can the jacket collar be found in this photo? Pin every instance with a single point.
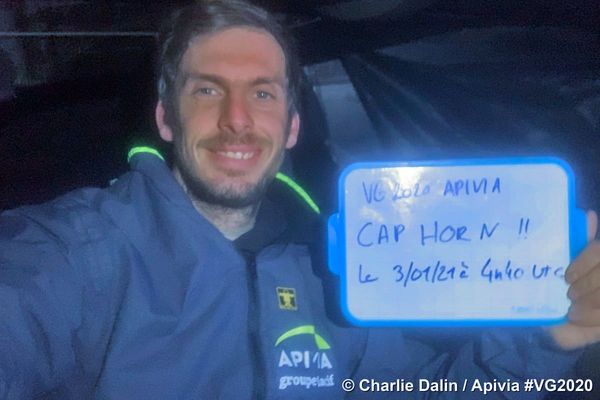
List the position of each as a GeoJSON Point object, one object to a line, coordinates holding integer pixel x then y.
{"type": "Point", "coordinates": [285, 215]}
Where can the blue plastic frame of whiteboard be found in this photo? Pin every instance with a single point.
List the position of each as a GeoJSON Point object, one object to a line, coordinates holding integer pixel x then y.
{"type": "Point", "coordinates": [336, 245]}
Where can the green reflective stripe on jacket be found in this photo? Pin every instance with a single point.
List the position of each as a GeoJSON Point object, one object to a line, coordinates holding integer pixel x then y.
{"type": "Point", "coordinates": [299, 190]}
{"type": "Point", "coordinates": [143, 149]}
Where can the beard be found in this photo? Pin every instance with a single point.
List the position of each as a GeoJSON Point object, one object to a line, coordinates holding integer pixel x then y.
{"type": "Point", "coordinates": [234, 195]}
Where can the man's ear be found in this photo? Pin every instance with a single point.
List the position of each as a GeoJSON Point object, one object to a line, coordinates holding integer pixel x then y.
{"type": "Point", "coordinates": [163, 129]}
{"type": "Point", "coordinates": [294, 129]}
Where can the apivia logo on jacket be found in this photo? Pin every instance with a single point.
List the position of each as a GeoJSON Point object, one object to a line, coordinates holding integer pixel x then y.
{"type": "Point", "coordinates": [304, 359]}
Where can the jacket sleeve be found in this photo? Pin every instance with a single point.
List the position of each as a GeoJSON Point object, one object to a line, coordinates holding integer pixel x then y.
{"type": "Point", "coordinates": [471, 357]}
{"type": "Point", "coordinates": [48, 308]}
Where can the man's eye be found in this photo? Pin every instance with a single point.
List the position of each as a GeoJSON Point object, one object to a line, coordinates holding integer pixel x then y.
{"type": "Point", "coordinates": [206, 91]}
{"type": "Point", "coordinates": [261, 94]}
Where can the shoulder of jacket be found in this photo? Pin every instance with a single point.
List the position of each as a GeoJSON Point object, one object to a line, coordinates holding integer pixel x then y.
{"type": "Point", "coordinates": [70, 219]}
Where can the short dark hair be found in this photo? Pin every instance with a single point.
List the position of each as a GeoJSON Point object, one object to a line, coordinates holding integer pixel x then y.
{"type": "Point", "coordinates": [210, 16]}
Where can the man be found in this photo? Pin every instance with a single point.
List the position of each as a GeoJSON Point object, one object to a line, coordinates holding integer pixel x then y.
{"type": "Point", "coordinates": [197, 282]}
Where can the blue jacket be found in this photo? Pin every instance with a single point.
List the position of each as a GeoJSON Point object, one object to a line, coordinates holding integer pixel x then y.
{"type": "Point", "coordinates": [129, 293]}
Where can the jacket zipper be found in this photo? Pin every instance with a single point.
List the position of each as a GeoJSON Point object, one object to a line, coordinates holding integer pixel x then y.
{"type": "Point", "coordinates": [259, 378]}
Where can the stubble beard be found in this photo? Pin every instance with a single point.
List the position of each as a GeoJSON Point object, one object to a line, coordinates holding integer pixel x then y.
{"type": "Point", "coordinates": [225, 196]}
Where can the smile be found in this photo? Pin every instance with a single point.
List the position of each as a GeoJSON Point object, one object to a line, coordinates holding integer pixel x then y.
{"type": "Point", "coordinates": [236, 155]}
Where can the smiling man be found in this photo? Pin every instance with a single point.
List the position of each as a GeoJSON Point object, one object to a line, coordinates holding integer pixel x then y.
{"type": "Point", "coordinates": [233, 118]}
{"type": "Point", "coordinates": [197, 280]}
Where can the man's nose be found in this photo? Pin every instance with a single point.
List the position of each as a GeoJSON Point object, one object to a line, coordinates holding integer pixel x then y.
{"type": "Point", "coordinates": [235, 114]}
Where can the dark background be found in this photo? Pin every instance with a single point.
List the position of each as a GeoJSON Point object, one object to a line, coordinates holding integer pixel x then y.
{"type": "Point", "coordinates": [389, 79]}
{"type": "Point", "coordinates": [386, 80]}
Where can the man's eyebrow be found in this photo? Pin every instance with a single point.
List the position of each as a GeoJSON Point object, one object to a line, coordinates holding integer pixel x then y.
{"type": "Point", "coordinates": [195, 76]}
{"type": "Point", "coordinates": [268, 81]}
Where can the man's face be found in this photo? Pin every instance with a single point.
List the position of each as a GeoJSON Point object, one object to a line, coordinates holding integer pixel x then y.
{"type": "Point", "coordinates": [233, 120]}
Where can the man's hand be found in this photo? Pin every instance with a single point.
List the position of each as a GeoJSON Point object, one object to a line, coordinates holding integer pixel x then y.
{"type": "Point", "coordinates": [583, 276]}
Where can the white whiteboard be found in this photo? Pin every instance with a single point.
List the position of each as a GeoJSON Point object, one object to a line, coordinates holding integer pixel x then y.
{"type": "Point", "coordinates": [455, 242]}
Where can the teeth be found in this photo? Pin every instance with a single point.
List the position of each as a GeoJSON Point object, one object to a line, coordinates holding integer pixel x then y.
{"type": "Point", "coordinates": [238, 155]}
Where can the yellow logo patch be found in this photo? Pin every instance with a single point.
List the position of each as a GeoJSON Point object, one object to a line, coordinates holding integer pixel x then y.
{"type": "Point", "coordinates": [287, 298]}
